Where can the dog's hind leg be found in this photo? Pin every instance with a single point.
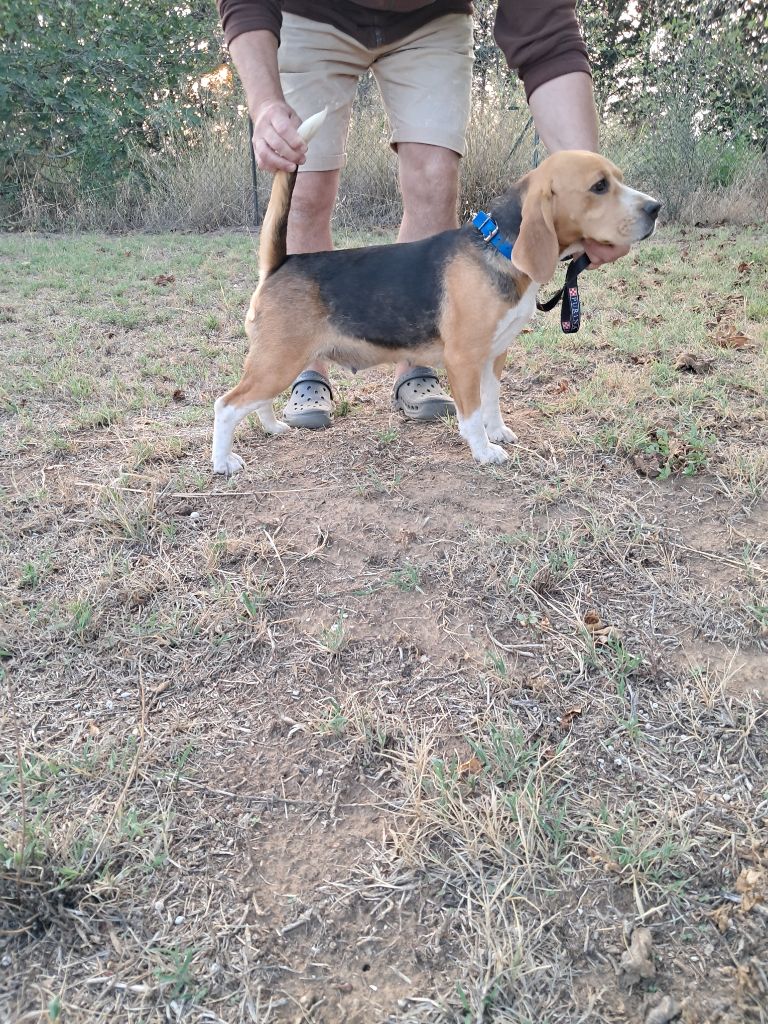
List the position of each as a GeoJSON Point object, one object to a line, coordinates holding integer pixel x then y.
{"type": "Point", "coordinates": [491, 388]}
{"type": "Point", "coordinates": [269, 369]}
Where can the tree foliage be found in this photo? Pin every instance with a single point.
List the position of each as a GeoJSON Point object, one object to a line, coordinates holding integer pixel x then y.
{"type": "Point", "coordinates": [83, 80]}
{"type": "Point", "coordinates": [85, 83]}
{"type": "Point", "coordinates": [645, 54]}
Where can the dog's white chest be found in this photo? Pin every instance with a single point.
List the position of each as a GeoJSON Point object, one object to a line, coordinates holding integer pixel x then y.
{"type": "Point", "coordinates": [514, 320]}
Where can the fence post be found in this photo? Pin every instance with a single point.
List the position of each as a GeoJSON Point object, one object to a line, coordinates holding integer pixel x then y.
{"type": "Point", "coordinates": [254, 179]}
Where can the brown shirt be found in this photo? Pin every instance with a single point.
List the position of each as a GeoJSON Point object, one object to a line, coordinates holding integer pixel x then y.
{"type": "Point", "coordinates": [541, 40]}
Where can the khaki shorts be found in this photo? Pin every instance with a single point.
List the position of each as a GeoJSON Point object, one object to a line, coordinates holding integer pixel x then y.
{"type": "Point", "coordinates": [425, 81]}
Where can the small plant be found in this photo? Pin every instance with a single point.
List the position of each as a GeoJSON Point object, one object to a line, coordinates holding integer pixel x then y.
{"type": "Point", "coordinates": [82, 616]}
{"type": "Point", "coordinates": [30, 575]}
{"type": "Point", "coordinates": [407, 579]}
{"type": "Point", "coordinates": [685, 453]}
{"type": "Point", "coordinates": [80, 387]}
{"type": "Point", "coordinates": [178, 974]}
{"type": "Point", "coordinates": [495, 661]}
{"type": "Point", "coordinates": [253, 603]}
{"type": "Point", "coordinates": [388, 436]}
{"type": "Point", "coordinates": [623, 664]}
{"type": "Point", "coordinates": [336, 722]}
{"type": "Point", "coordinates": [93, 419]}
{"type": "Point", "coordinates": [377, 484]}
{"type": "Point", "coordinates": [332, 638]}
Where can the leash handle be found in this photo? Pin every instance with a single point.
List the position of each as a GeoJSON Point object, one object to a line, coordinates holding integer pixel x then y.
{"type": "Point", "coordinates": [570, 310]}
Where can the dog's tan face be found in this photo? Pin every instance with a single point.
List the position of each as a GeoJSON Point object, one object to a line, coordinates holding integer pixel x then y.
{"type": "Point", "coordinates": [590, 200]}
{"type": "Point", "coordinates": [575, 195]}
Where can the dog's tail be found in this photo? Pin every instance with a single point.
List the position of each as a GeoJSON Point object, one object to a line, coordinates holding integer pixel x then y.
{"type": "Point", "coordinates": [272, 246]}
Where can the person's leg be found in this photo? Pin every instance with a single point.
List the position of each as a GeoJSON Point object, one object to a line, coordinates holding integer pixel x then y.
{"type": "Point", "coordinates": [319, 67]}
{"type": "Point", "coordinates": [309, 230]}
{"type": "Point", "coordinates": [425, 81]}
{"type": "Point", "coordinates": [429, 182]}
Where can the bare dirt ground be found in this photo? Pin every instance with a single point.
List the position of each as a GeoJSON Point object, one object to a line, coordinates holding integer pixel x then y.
{"type": "Point", "coordinates": [370, 733]}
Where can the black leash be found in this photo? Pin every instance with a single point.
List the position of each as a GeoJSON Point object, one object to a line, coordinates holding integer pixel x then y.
{"type": "Point", "coordinates": [570, 311]}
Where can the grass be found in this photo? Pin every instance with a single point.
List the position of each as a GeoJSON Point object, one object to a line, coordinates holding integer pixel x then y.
{"type": "Point", "coordinates": [369, 732]}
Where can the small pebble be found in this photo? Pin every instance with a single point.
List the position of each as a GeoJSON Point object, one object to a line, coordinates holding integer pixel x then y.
{"type": "Point", "coordinates": [179, 919]}
{"type": "Point", "coordinates": [194, 515]}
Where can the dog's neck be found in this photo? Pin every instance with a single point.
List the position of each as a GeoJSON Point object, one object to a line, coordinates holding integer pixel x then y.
{"type": "Point", "coordinates": [507, 211]}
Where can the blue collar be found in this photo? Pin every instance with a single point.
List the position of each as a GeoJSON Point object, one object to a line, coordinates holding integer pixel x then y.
{"type": "Point", "coordinates": [489, 229]}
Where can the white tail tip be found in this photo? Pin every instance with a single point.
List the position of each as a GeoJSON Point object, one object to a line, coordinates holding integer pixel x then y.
{"type": "Point", "coordinates": [307, 129]}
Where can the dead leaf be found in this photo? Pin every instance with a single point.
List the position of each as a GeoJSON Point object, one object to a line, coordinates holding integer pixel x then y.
{"type": "Point", "coordinates": [744, 268]}
{"type": "Point", "coordinates": [179, 395]}
{"type": "Point", "coordinates": [164, 279]}
{"type": "Point", "coordinates": [692, 363]}
{"type": "Point", "coordinates": [735, 339]}
{"type": "Point", "coordinates": [593, 622]}
{"type": "Point", "coordinates": [539, 682]}
{"type": "Point", "coordinates": [566, 719]}
{"type": "Point", "coordinates": [636, 962]}
{"type": "Point", "coordinates": [752, 884]}
{"type": "Point", "coordinates": [722, 918]}
{"type": "Point", "coordinates": [598, 630]}
{"type": "Point", "coordinates": [664, 1011]}
{"type": "Point", "coordinates": [471, 767]}
{"type": "Point", "coordinates": [647, 465]}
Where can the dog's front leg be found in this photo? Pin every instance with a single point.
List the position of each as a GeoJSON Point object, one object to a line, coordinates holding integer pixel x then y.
{"type": "Point", "coordinates": [495, 426]}
{"type": "Point", "coordinates": [464, 376]}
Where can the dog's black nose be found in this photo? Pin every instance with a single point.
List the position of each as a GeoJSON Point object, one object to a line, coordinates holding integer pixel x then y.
{"type": "Point", "coordinates": [652, 209]}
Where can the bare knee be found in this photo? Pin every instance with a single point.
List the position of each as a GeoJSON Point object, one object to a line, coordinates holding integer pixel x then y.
{"type": "Point", "coordinates": [309, 222]}
{"type": "Point", "coordinates": [429, 178]}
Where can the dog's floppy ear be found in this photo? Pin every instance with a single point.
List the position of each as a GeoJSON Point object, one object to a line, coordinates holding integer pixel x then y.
{"type": "Point", "coordinates": [536, 250]}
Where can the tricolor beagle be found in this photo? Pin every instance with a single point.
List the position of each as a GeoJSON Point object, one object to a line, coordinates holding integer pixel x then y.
{"type": "Point", "coordinates": [449, 300]}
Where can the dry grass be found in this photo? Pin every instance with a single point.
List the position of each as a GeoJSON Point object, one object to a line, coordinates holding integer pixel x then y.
{"type": "Point", "coordinates": [370, 733]}
{"type": "Point", "coordinates": [202, 181]}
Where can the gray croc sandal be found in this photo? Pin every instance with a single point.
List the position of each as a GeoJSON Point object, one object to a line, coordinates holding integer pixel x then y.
{"type": "Point", "coordinates": [418, 395]}
{"type": "Point", "coordinates": [311, 402]}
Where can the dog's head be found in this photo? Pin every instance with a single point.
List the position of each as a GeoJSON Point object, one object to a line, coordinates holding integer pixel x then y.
{"type": "Point", "coordinates": [575, 195]}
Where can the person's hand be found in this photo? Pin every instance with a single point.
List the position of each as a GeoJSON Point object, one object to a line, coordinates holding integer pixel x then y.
{"type": "Point", "coordinates": [600, 253]}
{"type": "Point", "coordinates": [276, 143]}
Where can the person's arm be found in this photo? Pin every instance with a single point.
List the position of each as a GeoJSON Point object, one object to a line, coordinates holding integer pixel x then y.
{"type": "Point", "coordinates": [543, 42]}
{"type": "Point", "coordinates": [276, 143]}
{"type": "Point", "coordinates": [564, 112]}
{"type": "Point", "coordinates": [252, 32]}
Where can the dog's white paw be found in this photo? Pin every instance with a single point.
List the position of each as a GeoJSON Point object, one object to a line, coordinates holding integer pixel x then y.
{"type": "Point", "coordinates": [278, 427]}
{"type": "Point", "coordinates": [502, 433]}
{"type": "Point", "coordinates": [493, 455]}
{"type": "Point", "coordinates": [230, 465]}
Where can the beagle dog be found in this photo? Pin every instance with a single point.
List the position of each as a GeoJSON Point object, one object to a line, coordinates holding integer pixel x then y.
{"type": "Point", "coordinates": [450, 299]}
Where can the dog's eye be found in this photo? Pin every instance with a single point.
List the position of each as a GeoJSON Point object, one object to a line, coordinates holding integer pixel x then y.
{"type": "Point", "coordinates": [600, 186]}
